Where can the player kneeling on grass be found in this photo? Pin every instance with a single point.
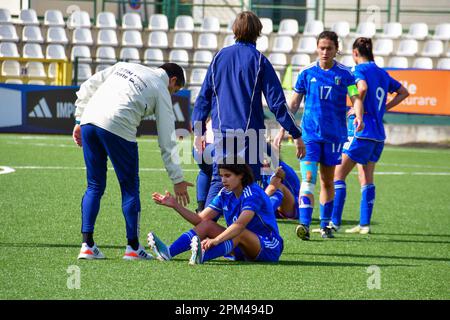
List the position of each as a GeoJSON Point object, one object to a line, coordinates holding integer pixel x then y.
{"type": "Point", "coordinates": [252, 233]}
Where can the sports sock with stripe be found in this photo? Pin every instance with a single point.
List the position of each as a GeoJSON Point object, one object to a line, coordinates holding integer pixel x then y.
{"type": "Point", "coordinates": [340, 193]}
{"type": "Point", "coordinates": [367, 201]}
{"type": "Point", "coordinates": [220, 250]}
{"type": "Point", "coordinates": [182, 244]}
{"type": "Point", "coordinates": [326, 210]}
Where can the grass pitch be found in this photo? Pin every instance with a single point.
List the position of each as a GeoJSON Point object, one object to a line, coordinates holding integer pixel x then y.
{"type": "Point", "coordinates": [40, 234]}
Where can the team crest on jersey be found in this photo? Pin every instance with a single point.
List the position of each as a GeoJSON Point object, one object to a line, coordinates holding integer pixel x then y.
{"type": "Point", "coordinates": [337, 80]}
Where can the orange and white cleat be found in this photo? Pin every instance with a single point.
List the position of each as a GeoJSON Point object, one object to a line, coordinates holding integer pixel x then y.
{"type": "Point", "coordinates": [139, 254]}
{"type": "Point", "coordinates": [90, 253]}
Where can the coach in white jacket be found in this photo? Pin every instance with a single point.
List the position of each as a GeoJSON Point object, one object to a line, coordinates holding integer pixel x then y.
{"type": "Point", "coordinates": [109, 108]}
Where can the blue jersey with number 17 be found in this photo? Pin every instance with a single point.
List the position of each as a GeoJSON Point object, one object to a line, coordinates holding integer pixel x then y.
{"type": "Point", "coordinates": [324, 117]}
{"type": "Point", "coordinates": [379, 83]}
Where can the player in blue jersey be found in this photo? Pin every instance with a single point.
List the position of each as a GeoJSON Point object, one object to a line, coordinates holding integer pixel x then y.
{"type": "Point", "coordinates": [325, 85]}
{"type": "Point", "coordinates": [232, 93]}
{"type": "Point", "coordinates": [365, 147]}
{"type": "Point", "coordinates": [252, 232]}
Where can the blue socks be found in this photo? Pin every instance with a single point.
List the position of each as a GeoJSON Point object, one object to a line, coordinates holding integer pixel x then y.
{"type": "Point", "coordinates": [326, 210]}
{"type": "Point", "coordinates": [220, 250]}
{"type": "Point", "coordinates": [340, 193]}
{"type": "Point", "coordinates": [305, 210]}
{"type": "Point", "coordinates": [182, 244]}
{"type": "Point", "coordinates": [276, 199]}
{"type": "Point", "coordinates": [367, 201]}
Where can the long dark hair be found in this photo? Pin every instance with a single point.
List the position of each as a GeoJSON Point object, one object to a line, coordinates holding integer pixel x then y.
{"type": "Point", "coordinates": [237, 166]}
{"type": "Point", "coordinates": [329, 35]}
{"type": "Point", "coordinates": [364, 47]}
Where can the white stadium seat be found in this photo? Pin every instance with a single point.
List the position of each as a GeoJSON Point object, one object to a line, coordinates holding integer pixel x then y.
{"type": "Point", "coordinates": [56, 35]}
{"type": "Point", "coordinates": [105, 54]}
{"type": "Point", "coordinates": [10, 68]}
{"type": "Point", "coordinates": [132, 38]}
{"type": "Point", "coordinates": [443, 63]}
{"type": "Point", "coordinates": [107, 37]}
{"type": "Point", "coordinates": [307, 45]}
{"type": "Point", "coordinates": [32, 50]}
{"type": "Point", "coordinates": [423, 63]}
{"type": "Point", "coordinates": [342, 28]}
{"type": "Point", "coordinates": [153, 57]}
{"type": "Point", "coordinates": [202, 58]}
{"type": "Point", "coordinates": [5, 16]}
{"type": "Point", "coordinates": [442, 32]}
{"type": "Point", "coordinates": [365, 29]}
{"type": "Point", "coordinates": [267, 24]}
{"type": "Point", "coordinates": [300, 60]}
{"type": "Point", "coordinates": [197, 76]}
{"type": "Point", "coordinates": [347, 60]}
{"type": "Point", "coordinates": [179, 56]}
{"type": "Point", "coordinates": [283, 44]}
{"type": "Point", "coordinates": [417, 31]}
{"type": "Point", "coordinates": [158, 39]}
{"type": "Point", "coordinates": [84, 72]}
{"type": "Point", "coordinates": [379, 61]}
{"type": "Point", "coordinates": [195, 90]}
{"type": "Point", "coordinates": [184, 23]}
{"type": "Point", "coordinates": [32, 34]}
{"type": "Point", "coordinates": [433, 48]}
{"type": "Point", "coordinates": [79, 19]}
{"type": "Point", "coordinates": [183, 40]}
{"type": "Point", "coordinates": [278, 60]}
{"type": "Point", "coordinates": [106, 20]}
{"type": "Point", "coordinates": [158, 22]}
{"type": "Point", "coordinates": [82, 52]}
{"type": "Point", "coordinates": [398, 62]}
{"type": "Point", "coordinates": [8, 33]}
{"type": "Point", "coordinates": [53, 18]}
{"type": "Point", "coordinates": [28, 17]}
{"type": "Point", "coordinates": [36, 82]}
{"type": "Point", "coordinates": [210, 24]}
{"type": "Point", "coordinates": [55, 51]}
{"type": "Point", "coordinates": [207, 41]}
{"type": "Point", "coordinates": [383, 47]}
{"type": "Point", "coordinates": [391, 30]}
{"type": "Point", "coordinates": [313, 28]}
{"type": "Point", "coordinates": [82, 36]}
{"type": "Point", "coordinates": [288, 27]}
{"type": "Point", "coordinates": [229, 28]}
{"type": "Point", "coordinates": [229, 40]}
{"type": "Point", "coordinates": [35, 69]}
{"type": "Point", "coordinates": [8, 49]}
{"type": "Point", "coordinates": [131, 21]}
{"type": "Point", "coordinates": [130, 55]}
{"type": "Point", "coordinates": [407, 48]}
{"type": "Point", "coordinates": [262, 43]}
{"type": "Point", "coordinates": [101, 67]}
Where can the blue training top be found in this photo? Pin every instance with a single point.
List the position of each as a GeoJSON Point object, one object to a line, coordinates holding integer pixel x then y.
{"type": "Point", "coordinates": [324, 117]}
{"type": "Point", "coordinates": [379, 83]}
{"type": "Point", "coordinates": [253, 198]}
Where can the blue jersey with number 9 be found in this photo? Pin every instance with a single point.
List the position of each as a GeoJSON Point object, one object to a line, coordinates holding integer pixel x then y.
{"type": "Point", "coordinates": [379, 83]}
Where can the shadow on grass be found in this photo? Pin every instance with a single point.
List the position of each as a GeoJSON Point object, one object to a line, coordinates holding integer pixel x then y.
{"type": "Point", "coordinates": [302, 263]}
{"type": "Point", "coordinates": [352, 255]}
{"type": "Point", "coordinates": [413, 234]}
{"type": "Point", "coordinates": [317, 221]}
{"type": "Point", "coordinates": [52, 245]}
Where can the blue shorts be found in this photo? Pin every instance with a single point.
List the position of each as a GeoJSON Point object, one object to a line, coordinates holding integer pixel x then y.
{"type": "Point", "coordinates": [326, 153]}
{"type": "Point", "coordinates": [271, 249]}
{"type": "Point", "coordinates": [363, 151]}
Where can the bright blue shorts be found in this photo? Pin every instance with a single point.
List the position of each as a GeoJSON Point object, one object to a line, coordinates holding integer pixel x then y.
{"type": "Point", "coordinates": [271, 249]}
{"type": "Point", "coordinates": [363, 151]}
{"type": "Point", "coordinates": [326, 153]}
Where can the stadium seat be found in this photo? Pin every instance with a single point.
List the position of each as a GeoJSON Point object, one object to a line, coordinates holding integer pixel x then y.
{"type": "Point", "coordinates": [207, 41]}
{"type": "Point", "coordinates": [229, 40]}
{"type": "Point", "coordinates": [391, 30]}
{"type": "Point", "coordinates": [283, 44]}
{"type": "Point", "coordinates": [342, 28]}
{"type": "Point", "coordinates": [106, 20]}
{"type": "Point", "coordinates": [288, 27]}
{"type": "Point", "coordinates": [417, 31]}
{"type": "Point", "coordinates": [313, 28]}
{"type": "Point", "coordinates": [184, 23]}
{"type": "Point", "coordinates": [56, 35]}
{"type": "Point", "coordinates": [202, 58]}
{"type": "Point", "coordinates": [262, 44]}
{"type": "Point", "coordinates": [101, 67]}
{"type": "Point", "coordinates": [107, 37]}
{"type": "Point", "coordinates": [28, 17]}
{"type": "Point", "coordinates": [442, 32]}
{"type": "Point", "coordinates": [267, 26]}
{"type": "Point", "coordinates": [407, 48]}
{"type": "Point", "coordinates": [131, 21]}
{"type": "Point", "coordinates": [300, 60]}
{"type": "Point", "coordinates": [443, 63]}
{"type": "Point", "coordinates": [433, 48]}
{"type": "Point", "coordinates": [132, 38]}
{"type": "Point", "coordinates": [82, 36]}
{"type": "Point", "coordinates": [32, 50]}
{"type": "Point", "coordinates": [379, 61]}
{"type": "Point", "coordinates": [130, 55]}
{"type": "Point", "coordinates": [365, 29]}
{"type": "Point", "coordinates": [8, 33]}
{"type": "Point", "coordinates": [423, 63]}
{"type": "Point", "coordinates": [105, 54]}
{"type": "Point", "coordinates": [307, 45]}
{"type": "Point", "coordinates": [32, 34]}
{"type": "Point", "coordinates": [398, 62]}
{"type": "Point", "coordinates": [347, 60]}
{"type": "Point", "coordinates": [13, 81]}
{"type": "Point", "coordinates": [183, 40]}
{"type": "Point", "coordinates": [383, 47]}
{"type": "Point", "coordinates": [195, 90]}
{"type": "Point", "coordinates": [197, 76]}
{"type": "Point", "coordinates": [158, 39]}
{"type": "Point", "coordinates": [84, 72]}
{"type": "Point", "coordinates": [153, 57]}
{"type": "Point", "coordinates": [55, 51]}
{"type": "Point", "coordinates": [35, 69]}
{"type": "Point", "coordinates": [79, 19]}
{"type": "Point", "coordinates": [179, 56]}
{"type": "Point", "coordinates": [5, 16]}
{"type": "Point", "coordinates": [83, 53]}
{"type": "Point", "coordinates": [10, 68]}
{"type": "Point", "coordinates": [210, 25]}
{"type": "Point", "coordinates": [278, 60]}
{"type": "Point", "coordinates": [53, 18]}
{"type": "Point", "coordinates": [36, 82]}
{"type": "Point", "coordinates": [158, 22]}
{"type": "Point", "coordinates": [229, 28]}
{"type": "Point", "coordinates": [9, 49]}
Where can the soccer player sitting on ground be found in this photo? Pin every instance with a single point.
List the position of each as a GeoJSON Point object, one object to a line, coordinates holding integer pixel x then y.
{"type": "Point", "coordinates": [252, 232]}
{"type": "Point", "coordinates": [365, 147]}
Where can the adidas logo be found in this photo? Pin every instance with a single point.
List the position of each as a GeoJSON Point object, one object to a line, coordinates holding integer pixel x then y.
{"type": "Point", "coordinates": [41, 110]}
{"type": "Point", "coordinates": [313, 79]}
{"type": "Point", "coordinates": [225, 207]}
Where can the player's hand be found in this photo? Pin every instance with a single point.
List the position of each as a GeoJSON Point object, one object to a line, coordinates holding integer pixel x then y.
{"type": "Point", "coordinates": [300, 146]}
{"type": "Point", "coordinates": [351, 112]}
{"type": "Point", "coordinates": [181, 192]}
{"type": "Point", "coordinates": [76, 135]}
{"type": "Point", "coordinates": [359, 124]}
{"type": "Point", "coordinates": [209, 243]}
{"type": "Point", "coordinates": [199, 144]}
{"type": "Point", "coordinates": [278, 139]}
{"type": "Point", "coordinates": [165, 200]}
